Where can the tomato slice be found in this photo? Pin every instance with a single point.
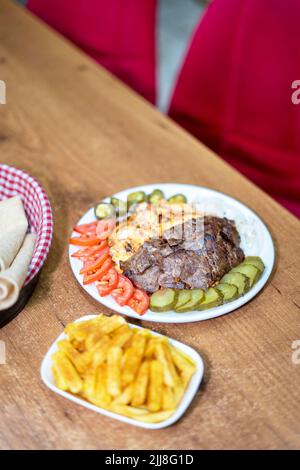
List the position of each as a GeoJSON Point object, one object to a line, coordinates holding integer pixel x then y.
{"type": "Point", "coordinates": [89, 251]}
{"type": "Point", "coordinates": [123, 291]}
{"type": "Point", "coordinates": [97, 275]}
{"type": "Point", "coordinates": [104, 228]}
{"type": "Point", "coordinates": [87, 229]}
{"type": "Point", "coordinates": [139, 302]}
{"type": "Point", "coordinates": [85, 240]}
{"type": "Point", "coordinates": [87, 264]}
{"type": "Point", "coordinates": [108, 282]}
{"type": "Point", "coordinates": [96, 263]}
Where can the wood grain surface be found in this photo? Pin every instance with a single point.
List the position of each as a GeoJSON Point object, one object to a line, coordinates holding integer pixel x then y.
{"type": "Point", "coordinates": [85, 135]}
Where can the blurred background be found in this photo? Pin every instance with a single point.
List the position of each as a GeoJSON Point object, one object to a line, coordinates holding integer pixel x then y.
{"type": "Point", "coordinates": [176, 20]}
{"type": "Point", "coordinates": [222, 69]}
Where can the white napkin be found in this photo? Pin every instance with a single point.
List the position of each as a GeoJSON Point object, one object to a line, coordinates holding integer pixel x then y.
{"type": "Point", "coordinates": [13, 227]}
{"type": "Point", "coordinates": [12, 279]}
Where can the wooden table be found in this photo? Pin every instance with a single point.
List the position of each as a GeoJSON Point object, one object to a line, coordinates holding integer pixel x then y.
{"type": "Point", "coordinates": [84, 135]}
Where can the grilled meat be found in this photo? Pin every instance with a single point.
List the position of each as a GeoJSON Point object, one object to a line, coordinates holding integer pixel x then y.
{"type": "Point", "coordinates": [194, 254]}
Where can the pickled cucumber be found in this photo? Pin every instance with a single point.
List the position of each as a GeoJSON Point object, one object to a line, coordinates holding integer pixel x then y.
{"type": "Point", "coordinates": [184, 296]}
{"type": "Point", "coordinates": [156, 196]}
{"type": "Point", "coordinates": [196, 297]}
{"type": "Point", "coordinates": [236, 279]}
{"type": "Point", "coordinates": [251, 272]}
{"type": "Point", "coordinates": [163, 300]}
{"type": "Point", "coordinates": [177, 199]}
{"type": "Point", "coordinates": [104, 210]}
{"type": "Point", "coordinates": [136, 198]}
{"type": "Point", "coordinates": [229, 292]}
{"type": "Point", "coordinates": [255, 261]}
{"type": "Point", "coordinates": [120, 206]}
{"type": "Point", "coordinates": [212, 298]}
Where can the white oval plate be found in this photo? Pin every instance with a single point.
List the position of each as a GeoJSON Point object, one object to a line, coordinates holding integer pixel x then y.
{"type": "Point", "coordinates": [48, 379]}
{"type": "Point", "coordinates": [256, 240]}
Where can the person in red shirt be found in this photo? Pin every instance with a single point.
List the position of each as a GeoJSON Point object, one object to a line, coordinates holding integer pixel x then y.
{"type": "Point", "coordinates": [234, 90]}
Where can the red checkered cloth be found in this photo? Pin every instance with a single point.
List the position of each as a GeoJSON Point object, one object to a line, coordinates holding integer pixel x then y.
{"type": "Point", "coordinates": [14, 182]}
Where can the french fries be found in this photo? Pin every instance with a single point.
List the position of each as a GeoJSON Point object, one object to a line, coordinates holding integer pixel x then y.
{"type": "Point", "coordinates": [69, 378]}
{"type": "Point", "coordinates": [140, 385]}
{"type": "Point", "coordinates": [114, 356]}
{"type": "Point", "coordinates": [155, 386]}
{"type": "Point", "coordinates": [125, 397]}
{"type": "Point", "coordinates": [122, 336]}
{"type": "Point", "coordinates": [169, 373]}
{"type": "Point", "coordinates": [102, 395]}
{"type": "Point", "coordinates": [133, 357]}
{"type": "Point", "coordinates": [168, 398]}
{"type": "Point", "coordinates": [122, 369]}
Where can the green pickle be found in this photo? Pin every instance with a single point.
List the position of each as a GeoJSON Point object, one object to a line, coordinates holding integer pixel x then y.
{"type": "Point", "coordinates": [196, 297]}
{"type": "Point", "coordinates": [104, 210]}
{"type": "Point", "coordinates": [237, 279]}
{"type": "Point", "coordinates": [184, 296]}
{"type": "Point", "coordinates": [229, 291]}
{"type": "Point", "coordinates": [251, 272]}
{"type": "Point", "coordinates": [255, 261]}
{"type": "Point", "coordinates": [177, 199]}
{"type": "Point", "coordinates": [156, 196]}
{"type": "Point", "coordinates": [163, 300]}
{"type": "Point", "coordinates": [136, 198]}
{"type": "Point", "coordinates": [119, 205]}
{"type": "Point", "coordinates": [212, 298]}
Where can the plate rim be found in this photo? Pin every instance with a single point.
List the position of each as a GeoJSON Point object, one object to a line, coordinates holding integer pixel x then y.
{"type": "Point", "coordinates": [188, 317]}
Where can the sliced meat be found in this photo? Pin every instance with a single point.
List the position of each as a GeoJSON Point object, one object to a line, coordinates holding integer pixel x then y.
{"type": "Point", "coordinates": [195, 254]}
{"type": "Point", "coordinates": [196, 272]}
{"type": "Point", "coordinates": [147, 281]}
{"type": "Point", "coordinates": [171, 268]}
{"type": "Point", "coordinates": [151, 253]}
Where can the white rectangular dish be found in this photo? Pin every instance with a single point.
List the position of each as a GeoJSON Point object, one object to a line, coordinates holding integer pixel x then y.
{"type": "Point", "coordinates": [48, 379]}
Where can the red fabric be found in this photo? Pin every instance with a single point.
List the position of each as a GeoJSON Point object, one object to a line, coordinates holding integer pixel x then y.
{"type": "Point", "coordinates": [119, 34]}
{"type": "Point", "coordinates": [234, 91]}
